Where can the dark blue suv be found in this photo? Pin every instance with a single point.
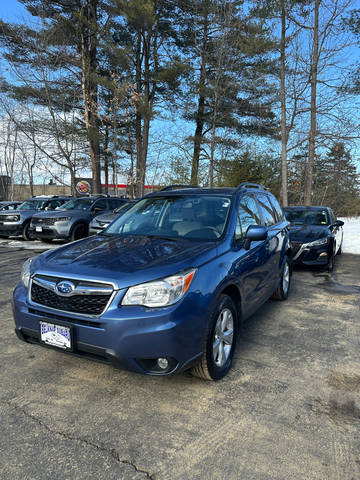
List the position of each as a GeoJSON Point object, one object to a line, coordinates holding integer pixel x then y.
{"type": "Point", "coordinates": [166, 286]}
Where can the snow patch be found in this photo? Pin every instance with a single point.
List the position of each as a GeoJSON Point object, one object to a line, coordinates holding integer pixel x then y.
{"type": "Point", "coordinates": [351, 243]}
{"type": "Point", "coordinates": [22, 244]}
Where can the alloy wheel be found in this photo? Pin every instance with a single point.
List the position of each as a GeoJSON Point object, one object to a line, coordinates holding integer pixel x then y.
{"type": "Point", "coordinates": [223, 337]}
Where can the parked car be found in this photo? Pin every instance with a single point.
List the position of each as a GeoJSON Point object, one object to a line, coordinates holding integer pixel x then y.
{"type": "Point", "coordinates": [18, 222]}
{"type": "Point", "coordinates": [100, 222]}
{"type": "Point", "coordinates": [166, 286]}
{"type": "Point", "coordinates": [71, 222]}
{"type": "Point", "coordinates": [316, 235]}
{"type": "Point", "coordinates": [9, 205]}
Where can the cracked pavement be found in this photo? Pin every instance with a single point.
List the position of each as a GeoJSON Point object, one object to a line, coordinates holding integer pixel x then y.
{"type": "Point", "coordinates": [289, 409]}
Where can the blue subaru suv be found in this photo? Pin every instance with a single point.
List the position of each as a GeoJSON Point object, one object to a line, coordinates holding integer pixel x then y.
{"type": "Point", "coordinates": [166, 286]}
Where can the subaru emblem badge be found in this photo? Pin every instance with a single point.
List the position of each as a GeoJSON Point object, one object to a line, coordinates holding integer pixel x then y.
{"type": "Point", "coordinates": [65, 288]}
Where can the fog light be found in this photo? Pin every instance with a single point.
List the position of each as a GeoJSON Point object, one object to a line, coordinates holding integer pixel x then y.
{"type": "Point", "coordinates": [163, 363]}
{"type": "Point", "coordinates": [323, 254]}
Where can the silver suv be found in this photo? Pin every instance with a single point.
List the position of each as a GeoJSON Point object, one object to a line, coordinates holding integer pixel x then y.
{"type": "Point", "coordinates": [71, 222]}
{"type": "Point", "coordinates": [17, 222]}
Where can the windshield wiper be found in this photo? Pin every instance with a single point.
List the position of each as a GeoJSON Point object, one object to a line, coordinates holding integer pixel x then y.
{"type": "Point", "coordinates": [162, 237]}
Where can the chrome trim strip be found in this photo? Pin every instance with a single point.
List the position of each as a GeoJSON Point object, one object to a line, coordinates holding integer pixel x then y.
{"type": "Point", "coordinates": [303, 248]}
{"type": "Point", "coordinates": [79, 290]}
{"type": "Point", "coordinates": [45, 284]}
{"type": "Point", "coordinates": [74, 276]}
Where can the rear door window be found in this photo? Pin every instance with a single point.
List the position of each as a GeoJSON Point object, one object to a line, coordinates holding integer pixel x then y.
{"type": "Point", "coordinates": [101, 204]}
{"type": "Point", "coordinates": [247, 215]}
{"type": "Point", "coordinates": [277, 209]}
{"type": "Point", "coordinates": [115, 203]}
{"type": "Point", "coordinates": [267, 212]}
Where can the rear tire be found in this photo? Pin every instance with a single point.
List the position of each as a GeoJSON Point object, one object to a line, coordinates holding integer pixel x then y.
{"type": "Point", "coordinates": [282, 291]}
{"type": "Point", "coordinates": [219, 342]}
{"type": "Point", "coordinates": [79, 231]}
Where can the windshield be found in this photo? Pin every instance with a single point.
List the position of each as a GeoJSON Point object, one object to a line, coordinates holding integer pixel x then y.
{"type": "Point", "coordinates": [78, 204]}
{"type": "Point", "coordinates": [32, 205]}
{"type": "Point", "coordinates": [194, 217]}
{"type": "Point", "coordinates": [307, 217]}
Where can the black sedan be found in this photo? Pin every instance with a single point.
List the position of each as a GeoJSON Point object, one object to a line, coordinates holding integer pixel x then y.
{"type": "Point", "coordinates": [316, 235]}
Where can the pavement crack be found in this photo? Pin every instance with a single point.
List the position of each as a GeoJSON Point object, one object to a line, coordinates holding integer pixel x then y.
{"type": "Point", "coordinates": [101, 448]}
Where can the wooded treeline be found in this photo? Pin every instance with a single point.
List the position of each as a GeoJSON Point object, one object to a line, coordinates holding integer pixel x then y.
{"type": "Point", "coordinates": [210, 92]}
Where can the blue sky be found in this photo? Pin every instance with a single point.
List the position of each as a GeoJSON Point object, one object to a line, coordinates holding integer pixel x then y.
{"type": "Point", "coordinates": [11, 10]}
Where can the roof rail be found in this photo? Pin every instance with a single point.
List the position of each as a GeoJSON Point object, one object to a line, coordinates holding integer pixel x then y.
{"type": "Point", "coordinates": [251, 185]}
{"type": "Point", "coordinates": [171, 187]}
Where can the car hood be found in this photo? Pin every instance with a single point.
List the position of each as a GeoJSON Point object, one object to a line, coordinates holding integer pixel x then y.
{"type": "Point", "coordinates": [308, 233]}
{"type": "Point", "coordinates": [23, 213]}
{"type": "Point", "coordinates": [124, 260]}
{"type": "Point", "coordinates": [63, 213]}
{"type": "Point", "coordinates": [107, 217]}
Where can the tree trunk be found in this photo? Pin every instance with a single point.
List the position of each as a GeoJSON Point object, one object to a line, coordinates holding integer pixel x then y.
{"type": "Point", "coordinates": [312, 132]}
{"type": "Point", "coordinates": [139, 187]}
{"type": "Point", "coordinates": [106, 159]}
{"type": "Point", "coordinates": [89, 85]}
{"type": "Point", "coordinates": [284, 136]}
{"type": "Point", "coordinates": [212, 147]}
{"type": "Point", "coordinates": [200, 110]}
{"type": "Point", "coordinates": [73, 182]}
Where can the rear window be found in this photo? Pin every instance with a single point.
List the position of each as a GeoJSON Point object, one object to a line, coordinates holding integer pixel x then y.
{"type": "Point", "coordinates": [307, 216]}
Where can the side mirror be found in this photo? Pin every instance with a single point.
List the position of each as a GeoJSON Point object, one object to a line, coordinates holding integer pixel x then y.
{"type": "Point", "coordinates": [255, 233]}
{"type": "Point", "coordinates": [338, 223]}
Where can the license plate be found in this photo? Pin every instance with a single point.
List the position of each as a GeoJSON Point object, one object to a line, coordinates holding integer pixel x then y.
{"type": "Point", "coordinates": [38, 229]}
{"type": "Point", "coordinates": [56, 335]}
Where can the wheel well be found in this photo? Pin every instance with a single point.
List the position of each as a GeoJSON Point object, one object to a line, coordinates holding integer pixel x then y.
{"type": "Point", "coordinates": [79, 224]}
{"type": "Point", "coordinates": [233, 292]}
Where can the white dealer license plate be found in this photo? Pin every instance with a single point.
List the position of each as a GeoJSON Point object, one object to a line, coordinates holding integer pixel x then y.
{"type": "Point", "coordinates": [56, 335]}
{"type": "Point", "coordinates": [38, 229]}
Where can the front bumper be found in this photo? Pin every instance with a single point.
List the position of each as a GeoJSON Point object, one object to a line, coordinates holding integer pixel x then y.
{"type": "Point", "coordinates": [130, 338]}
{"type": "Point", "coordinates": [56, 231]}
{"type": "Point", "coordinates": [316, 255]}
{"type": "Point", "coordinates": [9, 229]}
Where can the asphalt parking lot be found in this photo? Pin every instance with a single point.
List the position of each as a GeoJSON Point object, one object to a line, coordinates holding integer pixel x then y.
{"type": "Point", "coordinates": [289, 409]}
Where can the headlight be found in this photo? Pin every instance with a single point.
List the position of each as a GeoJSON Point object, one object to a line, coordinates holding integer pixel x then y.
{"type": "Point", "coordinates": [63, 219]}
{"type": "Point", "coordinates": [161, 292]}
{"type": "Point", "coordinates": [25, 274]}
{"type": "Point", "coordinates": [12, 218]}
{"type": "Point", "coordinates": [316, 243]}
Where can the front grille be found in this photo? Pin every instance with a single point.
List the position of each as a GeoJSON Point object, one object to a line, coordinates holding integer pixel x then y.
{"type": "Point", "coordinates": [84, 304]}
{"type": "Point", "coordinates": [43, 221]}
{"type": "Point", "coordinates": [295, 247]}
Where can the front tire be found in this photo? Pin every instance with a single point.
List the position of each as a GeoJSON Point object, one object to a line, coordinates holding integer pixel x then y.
{"type": "Point", "coordinates": [78, 232]}
{"type": "Point", "coordinates": [331, 262]}
{"type": "Point", "coordinates": [282, 291]}
{"type": "Point", "coordinates": [26, 232]}
{"type": "Point", "coordinates": [220, 341]}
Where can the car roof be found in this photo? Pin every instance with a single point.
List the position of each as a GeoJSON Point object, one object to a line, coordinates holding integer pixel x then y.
{"type": "Point", "coordinates": [304, 207]}
{"type": "Point", "coordinates": [221, 191]}
{"type": "Point", "coordinates": [57, 197]}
